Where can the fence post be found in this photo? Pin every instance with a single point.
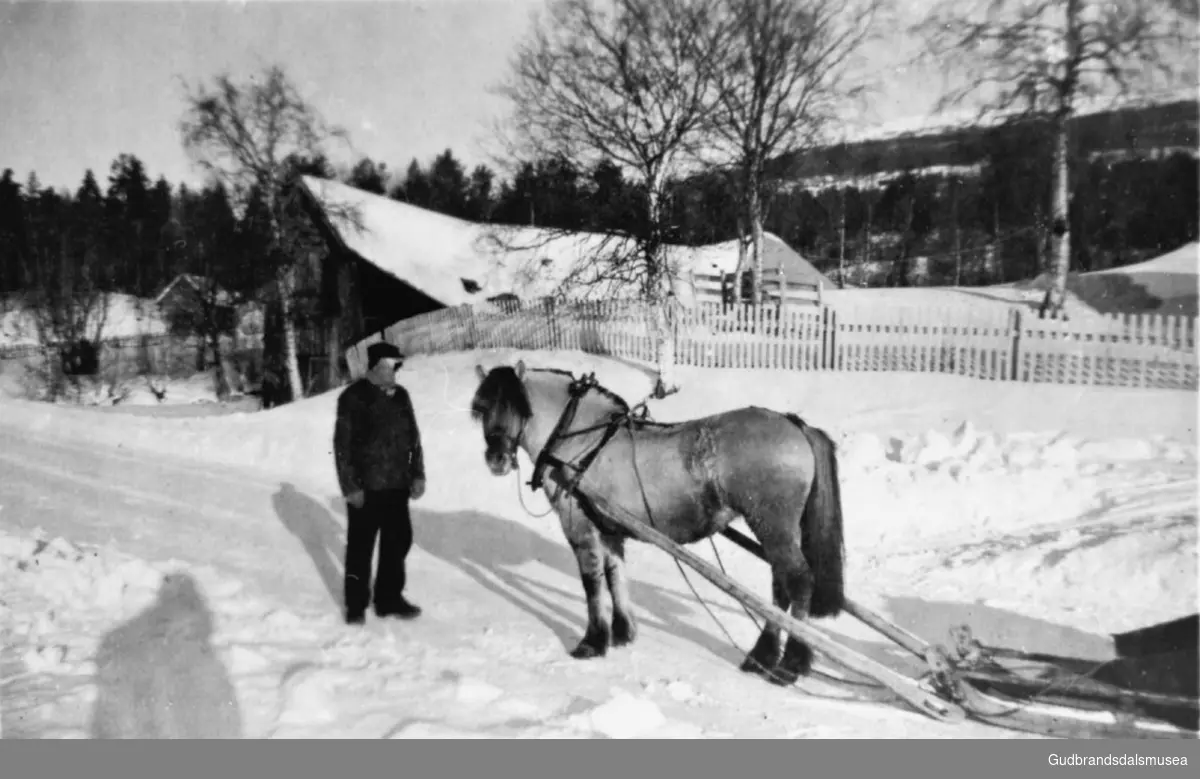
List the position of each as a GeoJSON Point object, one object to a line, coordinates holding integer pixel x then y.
{"type": "Point", "coordinates": [783, 291]}
{"type": "Point", "coordinates": [828, 360]}
{"type": "Point", "coordinates": [552, 321]}
{"type": "Point", "coordinates": [1016, 344]}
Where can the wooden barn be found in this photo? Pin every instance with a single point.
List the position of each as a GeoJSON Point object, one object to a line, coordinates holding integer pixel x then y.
{"type": "Point", "coordinates": [342, 296]}
{"type": "Point", "coordinates": [366, 262]}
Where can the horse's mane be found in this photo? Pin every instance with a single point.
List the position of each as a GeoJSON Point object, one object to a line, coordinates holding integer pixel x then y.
{"type": "Point", "coordinates": [605, 391]}
{"type": "Point", "coordinates": [501, 388]}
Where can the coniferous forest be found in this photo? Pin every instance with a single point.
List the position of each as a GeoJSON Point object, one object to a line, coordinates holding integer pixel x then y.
{"type": "Point", "coordinates": [862, 213]}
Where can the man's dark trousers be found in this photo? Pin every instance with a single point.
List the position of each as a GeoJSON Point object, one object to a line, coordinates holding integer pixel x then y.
{"type": "Point", "coordinates": [384, 514]}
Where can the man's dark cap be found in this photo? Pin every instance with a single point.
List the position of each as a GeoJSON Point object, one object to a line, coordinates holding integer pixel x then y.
{"type": "Point", "coordinates": [377, 351]}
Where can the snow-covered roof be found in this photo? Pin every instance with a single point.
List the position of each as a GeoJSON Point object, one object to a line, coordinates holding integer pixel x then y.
{"type": "Point", "coordinates": [435, 253]}
{"type": "Point", "coordinates": [776, 254]}
{"type": "Point", "coordinates": [198, 283]}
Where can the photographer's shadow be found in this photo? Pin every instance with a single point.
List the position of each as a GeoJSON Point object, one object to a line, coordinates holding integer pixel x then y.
{"type": "Point", "coordinates": [158, 675]}
{"type": "Point", "coordinates": [318, 530]}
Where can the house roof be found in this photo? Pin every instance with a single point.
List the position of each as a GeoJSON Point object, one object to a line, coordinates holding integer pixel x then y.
{"type": "Point", "coordinates": [436, 253]}
{"type": "Point", "coordinates": [195, 282]}
{"type": "Point", "coordinates": [776, 254]}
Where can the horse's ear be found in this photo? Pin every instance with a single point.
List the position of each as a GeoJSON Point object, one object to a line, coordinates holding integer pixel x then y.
{"type": "Point", "coordinates": [480, 372]}
{"type": "Point", "coordinates": [520, 369]}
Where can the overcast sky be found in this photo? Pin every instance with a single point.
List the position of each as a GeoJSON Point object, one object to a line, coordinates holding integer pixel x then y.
{"type": "Point", "coordinates": [83, 82]}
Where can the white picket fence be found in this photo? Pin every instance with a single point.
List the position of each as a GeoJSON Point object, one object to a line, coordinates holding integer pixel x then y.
{"type": "Point", "coordinates": [1000, 343]}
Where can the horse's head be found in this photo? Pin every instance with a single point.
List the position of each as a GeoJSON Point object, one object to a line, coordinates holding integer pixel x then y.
{"type": "Point", "coordinates": [501, 405]}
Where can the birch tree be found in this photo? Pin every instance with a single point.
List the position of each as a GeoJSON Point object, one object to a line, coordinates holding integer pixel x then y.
{"type": "Point", "coordinates": [787, 73]}
{"type": "Point", "coordinates": [1041, 59]}
{"type": "Point", "coordinates": [629, 81]}
{"type": "Point", "coordinates": [246, 135]}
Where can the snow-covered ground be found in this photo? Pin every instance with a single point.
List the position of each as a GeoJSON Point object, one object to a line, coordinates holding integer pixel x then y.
{"type": "Point", "coordinates": [121, 316]}
{"type": "Point", "coordinates": [1165, 285]}
{"type": "Point", "coordinates": [1045, 517]}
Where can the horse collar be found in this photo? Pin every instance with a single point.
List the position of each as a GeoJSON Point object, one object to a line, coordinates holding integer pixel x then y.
{"type": "Point", "coordinates": [579, 387]}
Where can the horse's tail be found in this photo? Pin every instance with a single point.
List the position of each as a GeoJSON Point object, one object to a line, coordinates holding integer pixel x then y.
{"type": "Point", "coordinates": [821, 536]}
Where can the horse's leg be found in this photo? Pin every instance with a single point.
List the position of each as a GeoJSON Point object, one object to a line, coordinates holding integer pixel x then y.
{"type": "Point", "coordinates": [591, 556]}
{"type": "Point", "coordinates": [797, 579]}
{"type": "Point", "coordinates": [584, 540]}
{"type": "Point", "coordinates": [792, 584]}
{"type": "Point", "coordinates": [624, 628]}
{"type": "Point", "coordinates": [768, 650]}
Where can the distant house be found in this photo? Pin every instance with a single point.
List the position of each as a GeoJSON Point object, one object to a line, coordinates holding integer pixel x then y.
{"type": "Point", "coordinates": [182, 302]}
{"type": "Point", "coordinates": [181, 305]}
{"type": "Point", "coordinates": [778, 258]}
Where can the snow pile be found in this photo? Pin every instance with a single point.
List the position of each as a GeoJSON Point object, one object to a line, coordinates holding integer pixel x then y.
{"type": "Point", "coordinates": [1091, 571]}
{"type": "Point", "coordinates": [1011, 520]}
{"type": "Point", "coordinates": [621, 716]}
{"type": "Point", "coordinates": [65, 597]}
{"type": "Point", "coordinates": [69, 579]}
{"type": "Point", "coordinates": [921, 490]}
{"type": "Point", "coordinates": [982, 465]}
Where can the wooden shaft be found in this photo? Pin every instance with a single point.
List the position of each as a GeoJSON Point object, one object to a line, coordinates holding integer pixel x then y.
{"type": "Point", "coordinates": [1069, 684]}
{"type": "Point", "coordinates": [920, 648]}
{"type": "Point", "coordinates": [908, 689]}
{"type": "Point", "coordinates": [909, 641]}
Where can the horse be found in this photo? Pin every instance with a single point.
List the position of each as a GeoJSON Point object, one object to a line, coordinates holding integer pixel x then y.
{"type": "Point", "coordinates": [688, 480]}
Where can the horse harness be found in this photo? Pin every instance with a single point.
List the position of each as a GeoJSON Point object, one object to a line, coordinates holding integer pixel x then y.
{"type": "Point", "coordinates": [545, 459]}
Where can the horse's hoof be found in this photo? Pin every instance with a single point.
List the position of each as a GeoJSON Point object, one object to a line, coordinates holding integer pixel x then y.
{"type": "Point", "coordinates": [792, 668]}
{"type": "Point", "coordinates": [752, 665]}
{"type": "Point", "coordinates": [586, 651]}
{"type": "Point", "coordinates": [624, 633]}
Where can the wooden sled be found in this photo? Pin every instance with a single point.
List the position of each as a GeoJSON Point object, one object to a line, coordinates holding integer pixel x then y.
{"type": "Point", "coordinates": [1035, 693]}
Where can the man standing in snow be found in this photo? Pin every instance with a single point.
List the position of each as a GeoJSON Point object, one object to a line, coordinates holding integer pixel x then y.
{"type": "Point", "coordinates": [380, 467]}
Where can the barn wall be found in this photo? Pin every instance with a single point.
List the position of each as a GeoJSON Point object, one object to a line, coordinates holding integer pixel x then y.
{"type": "Point", "coordinates": [344, 299]}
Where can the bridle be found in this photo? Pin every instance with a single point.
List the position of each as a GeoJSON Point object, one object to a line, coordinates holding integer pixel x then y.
{"type": "Point", "coordinates": [578, 388]}
{"type": "Point", "coordinates": [509, 443]}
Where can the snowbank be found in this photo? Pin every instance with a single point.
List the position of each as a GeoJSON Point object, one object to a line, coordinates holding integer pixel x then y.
{"type": "Point", "coordinates": [1164, 285]}
{"type": "Point", "coordinates": [441, 386]}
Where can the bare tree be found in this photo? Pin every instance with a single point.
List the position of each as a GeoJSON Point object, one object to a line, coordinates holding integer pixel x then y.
{"type": "Point", "coordinates": [66, 277]}
{"type": "Point", "coordinates": [1040, 58]}
{"type": "Point", "coordinates": [630, 81]}
{"type": "Point", "coordinates": [247, 135]}
{"type": "Point", "coordinates": [788, 70]}
{"type": "Point", "coordinates": [69, 306]}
